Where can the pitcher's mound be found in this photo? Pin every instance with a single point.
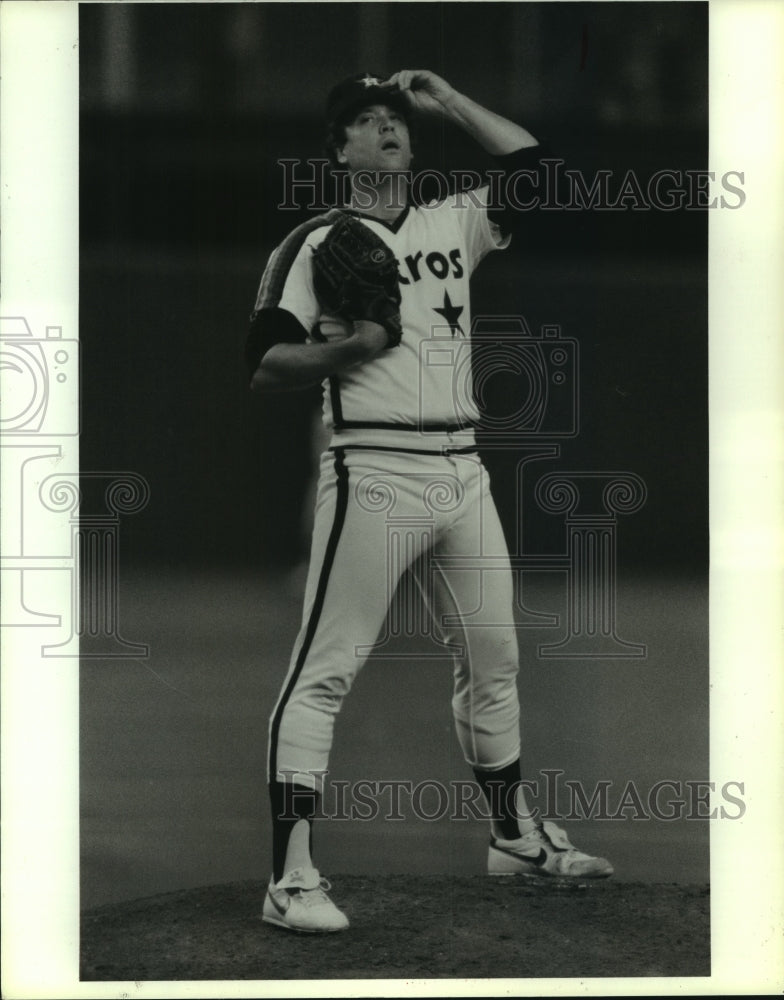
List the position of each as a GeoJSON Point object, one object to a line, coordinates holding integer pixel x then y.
{"type": "Point", "coordinates": [406, 927]}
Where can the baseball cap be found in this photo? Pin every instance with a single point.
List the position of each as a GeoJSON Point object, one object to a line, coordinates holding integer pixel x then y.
{"type": "Point", "coordinates": [359, 91]}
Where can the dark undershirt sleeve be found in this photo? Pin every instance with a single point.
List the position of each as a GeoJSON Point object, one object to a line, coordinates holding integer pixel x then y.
{"type": "Point", "coordinates": [506, 212]}
{"type": "Point", "coordinates": [267, 328]}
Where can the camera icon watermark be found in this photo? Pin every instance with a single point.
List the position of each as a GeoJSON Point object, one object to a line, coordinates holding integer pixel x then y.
{"type": "Point", "coordinates": [521, 392]}
{"type": "Point", "coordinates": [514, 384]}
{"type": "Point", "coordinates": [40, 381]}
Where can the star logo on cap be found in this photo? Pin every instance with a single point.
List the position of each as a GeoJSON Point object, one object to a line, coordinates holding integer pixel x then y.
{"type": "Point", "coordinates": [370, 81]}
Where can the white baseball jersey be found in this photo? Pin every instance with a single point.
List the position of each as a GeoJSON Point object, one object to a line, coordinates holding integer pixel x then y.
{"type": "Point", "coordinates": [424, 384]}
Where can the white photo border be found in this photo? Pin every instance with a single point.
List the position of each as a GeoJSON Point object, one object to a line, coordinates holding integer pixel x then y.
{"type": "Point", "coordinates": [40, 860]}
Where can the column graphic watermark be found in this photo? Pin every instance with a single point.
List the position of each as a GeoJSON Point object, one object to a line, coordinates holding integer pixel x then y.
{"type": "Point", "coordinates": [409, 504]}
{"type": "Point", "coordinates": [50, 535]}
{"type": "Point", "coordinates": [591, 558]}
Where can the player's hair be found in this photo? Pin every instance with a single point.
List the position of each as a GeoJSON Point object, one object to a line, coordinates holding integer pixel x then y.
{"type": "Point", "coordinates": [335, 140]}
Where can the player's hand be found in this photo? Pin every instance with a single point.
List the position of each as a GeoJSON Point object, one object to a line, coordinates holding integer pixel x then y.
{"type": "Point", "coordinates": [370, 338]}
{"type": "Point", "coordinates": [423, 90]}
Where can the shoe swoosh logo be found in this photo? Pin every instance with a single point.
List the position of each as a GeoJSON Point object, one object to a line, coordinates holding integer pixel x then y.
{"type": "Point", "coordinates": [278, 906]}
{"type": "Point", "coordinates": [539, 860]}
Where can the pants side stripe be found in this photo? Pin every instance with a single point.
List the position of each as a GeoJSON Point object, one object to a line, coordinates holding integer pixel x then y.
{"type": "Point", "coordinates": [341, 506]}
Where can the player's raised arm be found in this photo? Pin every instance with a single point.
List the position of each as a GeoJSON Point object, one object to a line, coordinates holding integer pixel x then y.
{"type": "Point", "coordinates": [428, 93]}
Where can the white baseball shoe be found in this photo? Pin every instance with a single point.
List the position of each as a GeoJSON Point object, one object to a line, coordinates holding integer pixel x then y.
{"type": "Point", "coordinates": [544, 851]}
{"type": "Point", "coordinates": [299, 902]}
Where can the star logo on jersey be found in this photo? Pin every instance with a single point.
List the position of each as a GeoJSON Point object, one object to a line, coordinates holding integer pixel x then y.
{"type": "Point", "coordinates": [451, 314]}
{"type": "Point", "coordinates": [370, 81]}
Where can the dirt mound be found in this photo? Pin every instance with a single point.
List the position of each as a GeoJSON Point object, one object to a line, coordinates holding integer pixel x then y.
{"type": "Point", "coordinates": [409, 928]}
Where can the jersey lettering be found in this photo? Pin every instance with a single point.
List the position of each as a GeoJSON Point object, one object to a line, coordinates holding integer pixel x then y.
{"type": "Point", "coordinates": [413, 264]}
{"type": "Point", "coordinates": [437, 264]}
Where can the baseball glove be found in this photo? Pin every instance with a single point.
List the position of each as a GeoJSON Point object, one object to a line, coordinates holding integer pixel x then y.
{"type": "Point", "coordinates": [355, 276]}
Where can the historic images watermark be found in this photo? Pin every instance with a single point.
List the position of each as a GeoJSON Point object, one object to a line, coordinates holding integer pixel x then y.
{"type": "Point", "coordinates": [550, 797]}
{"type": "Point", "coordinates": [315, 184]}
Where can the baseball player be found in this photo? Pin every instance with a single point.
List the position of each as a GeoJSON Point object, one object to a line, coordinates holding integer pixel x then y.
{"type": "Point", "coordinates": [402, 452]}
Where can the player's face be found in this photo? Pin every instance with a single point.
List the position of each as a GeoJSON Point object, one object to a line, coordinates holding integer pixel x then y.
{"type": "Point", "coordinates": [377, 139]}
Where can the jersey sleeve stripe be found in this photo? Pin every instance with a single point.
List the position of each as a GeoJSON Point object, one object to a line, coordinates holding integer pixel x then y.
{"type": "Point", "coordinates": [273, 280]}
